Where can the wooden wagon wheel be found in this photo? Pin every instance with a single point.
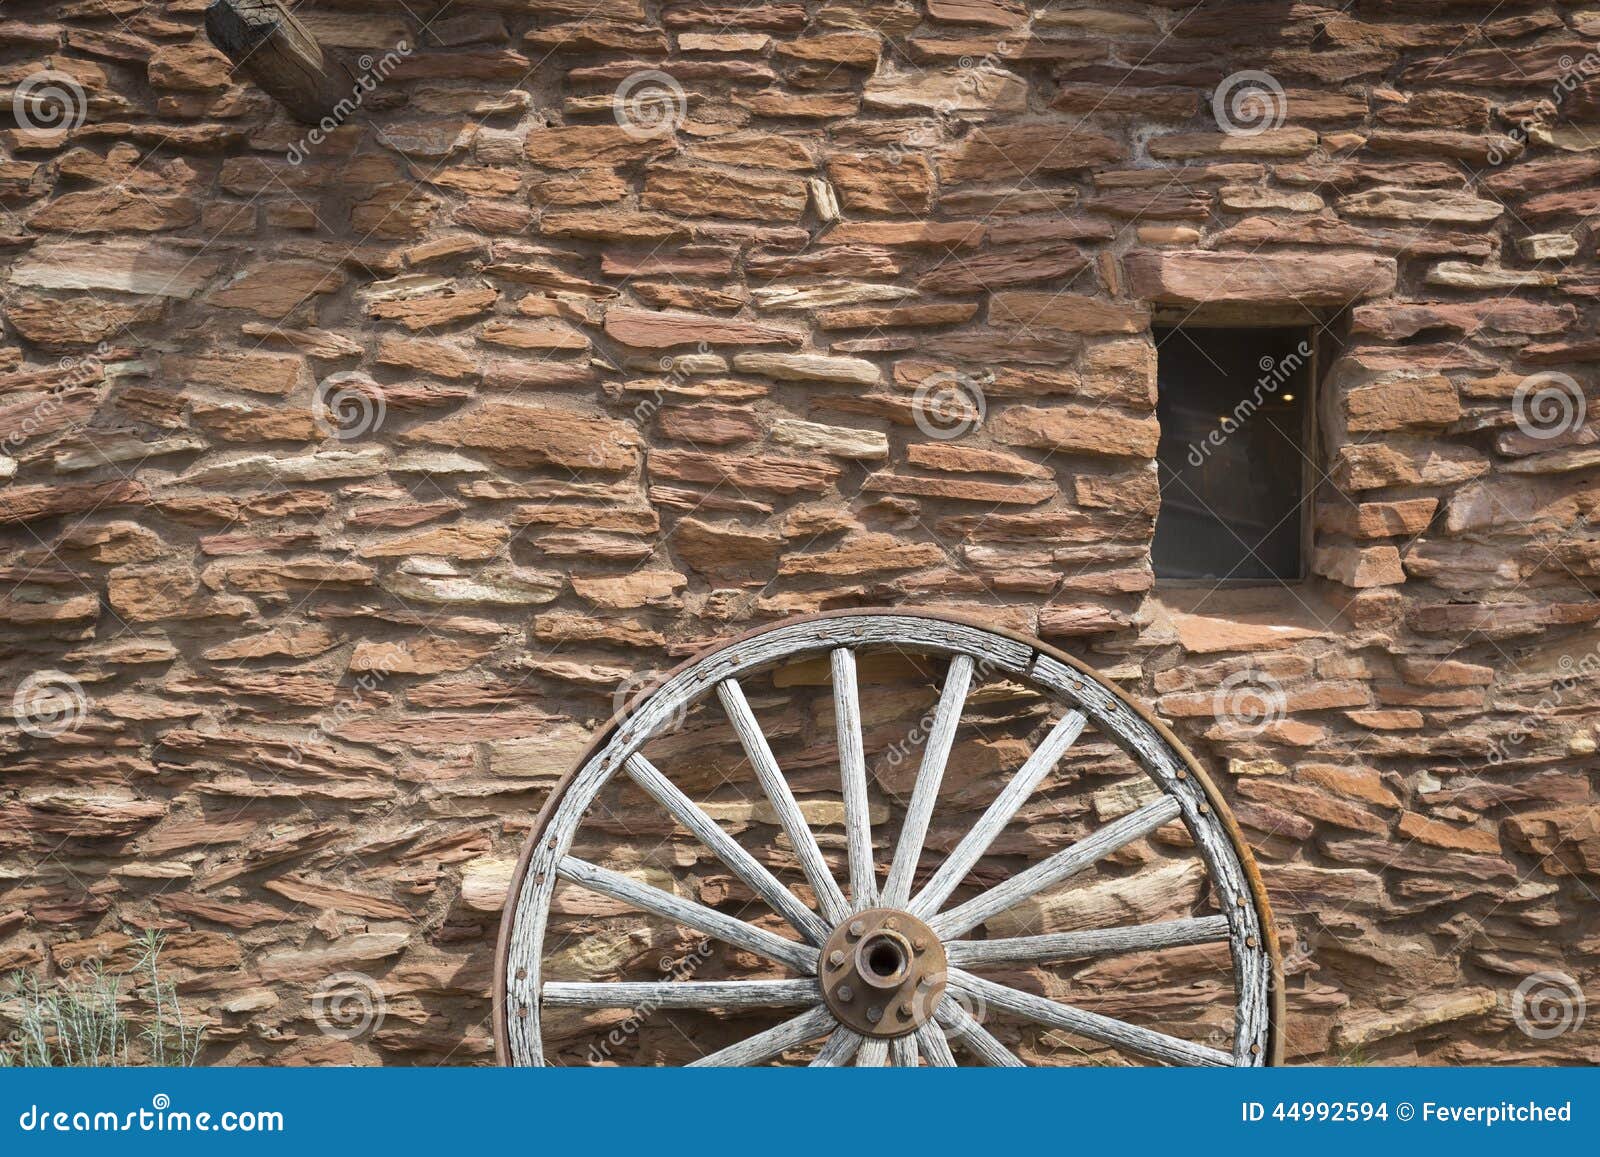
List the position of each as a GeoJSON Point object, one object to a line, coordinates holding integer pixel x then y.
{"type": "Point", "coordinates": [887, 970]}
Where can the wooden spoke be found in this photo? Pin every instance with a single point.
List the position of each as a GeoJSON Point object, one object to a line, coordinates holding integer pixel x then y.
{"type": "Point", "coordinates": [976, 842]}
{"type": "Point", "coordinates": [729, 994]}
{"type": "Point", "coordinates": [829, 897]}
{"type": "Point", "coordinates": [934, 1047]}
{"type": "Point", "coordinates": [1089, 945]}
{"type": "Point", "coordinates": [874, 1054]}
{"type": "Point", "coordinates": [808, 1026]}
{"type": "Point", "coordinates": [1067, 862]}
{"type": "Point", "coordinates": [1146, 1042]}
{"type": "Point", "coordinates": [800, 957]}
{"type": "Point", "coordinates": [838, 1049]}
{"type": "Point", "coordinates": [903, 1052]}
{"type": "Point", "coordinates": [853, 771]}
{"type": "Point", "coordinates": [935, 755]}
{"type": "Point", "coordinates": [728, 850]}
{"type": "Point", "coordinates": [951, 904]}
{"type": "Point", "coordinates": [962, 1028]}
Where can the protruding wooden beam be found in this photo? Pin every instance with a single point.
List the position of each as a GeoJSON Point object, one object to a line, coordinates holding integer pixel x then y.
{"type": "Point", "coordinates": [278, 52]}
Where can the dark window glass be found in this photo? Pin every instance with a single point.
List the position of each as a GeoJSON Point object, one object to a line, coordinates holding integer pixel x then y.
{"type": "Point", "coordinates": [1233, 407]}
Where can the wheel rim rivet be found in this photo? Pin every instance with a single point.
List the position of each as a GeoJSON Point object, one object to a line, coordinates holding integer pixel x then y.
{"type": "Point", "coordinates": [836, 958]}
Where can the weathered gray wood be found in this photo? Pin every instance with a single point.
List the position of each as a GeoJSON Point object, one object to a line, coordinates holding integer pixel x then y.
{"type": "Point", "coordinates": [903, 1052]}
{"type": "Point", "coordinates": [754, 742]}
{"type": "Point", "coordinates": [934, 1047]}
{"type": "Point", "coordinates": [1089, 945]}
{"type": "Point", "coordinates": [729, 994]}
{"type": "Point", "coordinates": [801, 957]}
{"type": "Point", "coordinates": [1111, 716]}
{"type": "Point", "coordinates": [873, 1054]}
{"type": "Point", "coordinates": [1144, 1041]}
{"type": "Point", "coordinates": [276, 51]}
{"type": "Point", "coordinates": [925, 792]}
{"type": "Point", "coordinates": [976, 842]}
{"type": "Point", "coordinates": [1135, 735]}
{"type": "Point", "coordinates": [531, 907]}
{"type": "Point", "coordinates": [808, 1026]}
{"type": "Point", "coordinates": [838, 1049]}
{"type": "Point", "coordinates": [961, 1028]}
{"type": "Point", "coordinates": [1049, 872]}
{"type": "Point", "coordinates": [853, 772]}
{"type": "Point", "coordinates": [728, 850]}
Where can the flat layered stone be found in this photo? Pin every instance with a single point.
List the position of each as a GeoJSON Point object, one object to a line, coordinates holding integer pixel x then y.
{"type": "Point", "coordinates": [1199, 278]}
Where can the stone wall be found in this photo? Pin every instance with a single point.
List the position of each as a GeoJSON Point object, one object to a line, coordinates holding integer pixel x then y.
{"type": "Point", "coordinates": [350, 473]}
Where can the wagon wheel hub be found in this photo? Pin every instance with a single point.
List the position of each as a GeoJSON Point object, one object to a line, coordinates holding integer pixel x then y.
{"type": "Point", "coordinates": [883, 972]}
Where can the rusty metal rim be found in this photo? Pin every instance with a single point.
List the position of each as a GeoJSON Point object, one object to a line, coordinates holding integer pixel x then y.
{"type": "Point", "coordinates": [1258, 890]}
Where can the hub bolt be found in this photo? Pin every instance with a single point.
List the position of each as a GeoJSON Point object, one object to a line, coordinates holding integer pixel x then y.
{"type": "Point", "coordinates": [874, 1015]}
{"type": "Point", "coordinates": [857, 928]}
{"type": "Point", "coordinates": [905, 1010]}
{"type": "Point", "coordinates": [846, 992]}
{"type": "Point", "coordinates": [836, 958]}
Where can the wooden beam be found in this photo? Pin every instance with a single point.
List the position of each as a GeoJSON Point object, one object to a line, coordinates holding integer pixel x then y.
{"type": "Point", "coordinates": [276, 51]}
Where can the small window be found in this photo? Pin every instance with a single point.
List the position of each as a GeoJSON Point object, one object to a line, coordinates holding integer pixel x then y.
{"type": "Point", "coordinates": [1235, 427]}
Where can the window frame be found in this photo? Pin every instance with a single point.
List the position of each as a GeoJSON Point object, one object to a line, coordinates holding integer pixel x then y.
{"type": "Point", "coordinates": [1310, 377]}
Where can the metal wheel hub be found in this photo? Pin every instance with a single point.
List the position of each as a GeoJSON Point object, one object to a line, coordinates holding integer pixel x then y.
{"type": "Point", "coordinates": [883, 972]}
